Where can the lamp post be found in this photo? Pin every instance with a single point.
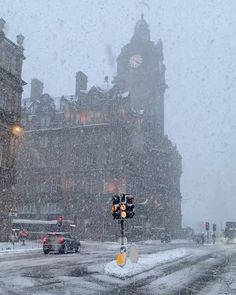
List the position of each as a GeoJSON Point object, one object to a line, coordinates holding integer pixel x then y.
{"type": "Point", "coordinates": [16, 131]}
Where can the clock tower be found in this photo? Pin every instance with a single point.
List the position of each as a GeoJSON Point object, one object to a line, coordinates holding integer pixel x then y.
{"type": "Point", "coordinates": [140, 70]}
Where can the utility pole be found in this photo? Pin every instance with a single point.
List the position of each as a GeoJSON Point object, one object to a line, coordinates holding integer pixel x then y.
{"type": "Point", "coordinates": [207, 227]}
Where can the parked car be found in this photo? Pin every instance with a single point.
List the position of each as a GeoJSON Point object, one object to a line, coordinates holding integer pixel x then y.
{"type": "Point", "coordinates": [60, 242]}
{"type": "Point", "coordinates": [165, 237]}
{"type": "Point", "coordinates": [230, 232]}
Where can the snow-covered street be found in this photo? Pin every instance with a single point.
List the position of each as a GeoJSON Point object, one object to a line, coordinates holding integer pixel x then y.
{"type": "Point", "coordinates": [117, 147]}
{"type": "Point", "coordinates": [176, 268]}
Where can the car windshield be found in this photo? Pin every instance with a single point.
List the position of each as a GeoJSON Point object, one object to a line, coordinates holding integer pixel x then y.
{"type": "Point", "coordinates": [117, 147]}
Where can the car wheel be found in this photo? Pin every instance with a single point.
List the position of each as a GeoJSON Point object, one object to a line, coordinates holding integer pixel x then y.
{"type": "Point", "coordinates": [45, 251]}
{"type": "Point", "coordinates": [65, 249]}
{"type": "Point", "coordinates": [77, 248]}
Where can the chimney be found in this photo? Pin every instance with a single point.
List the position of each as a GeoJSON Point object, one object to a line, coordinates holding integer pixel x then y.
{"type": "Point", "coordinates": [81, 82]}
{"type": "Point", "coordinates": [36, 89]}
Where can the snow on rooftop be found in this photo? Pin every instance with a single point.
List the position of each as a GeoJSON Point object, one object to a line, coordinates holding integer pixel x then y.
{"type": "Point", "coordinates": [33, 221]}
{"type": "Point", "coordinates": [125, 94]}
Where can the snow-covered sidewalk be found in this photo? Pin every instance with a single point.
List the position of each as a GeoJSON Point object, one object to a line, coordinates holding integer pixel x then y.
{"type": "Point", "coordinates": [145, 263]}
{"type": "Point", "coordinates": [7, 247]}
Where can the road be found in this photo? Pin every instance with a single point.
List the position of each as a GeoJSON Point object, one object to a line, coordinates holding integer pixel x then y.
{"type": "Point", "coordinates": [209, 270]}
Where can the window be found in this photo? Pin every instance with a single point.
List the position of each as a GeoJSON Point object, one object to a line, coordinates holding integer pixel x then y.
{"type": "Point", "coordinates": [45, 186]}
{"type": "Point", "coordinates": [55, 141]}
{"type": "Point", "coordinates": [108, 156]}
{"type": "Point", "coordinates": [28, 208]}
{"type": "Point", "coordinates": [51, 208]}
{"type": "Point", "coordinates": [45, 121]}
{"type": "Point", "coordinates": [92, 154]}
{"type": "Point", "coordinates": [67, 184]}
{"type": "Point", "coordinates": [54, 185]}
{"type": "Point", "coordinates": [89, 185]}
{"type": "Point", "coordinates": [43, 142]}
{"type": "Point", "coordinates": [28, 187]}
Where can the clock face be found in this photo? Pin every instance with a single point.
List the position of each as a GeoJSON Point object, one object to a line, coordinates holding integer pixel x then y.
{"type": "Point", "coordinates": [135, 61]}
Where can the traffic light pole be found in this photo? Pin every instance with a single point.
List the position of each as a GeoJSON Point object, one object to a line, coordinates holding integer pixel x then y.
{"type": "Point", "coordinates": [122, 231]}
{"type": "Point", "coordinates": [208, 236]}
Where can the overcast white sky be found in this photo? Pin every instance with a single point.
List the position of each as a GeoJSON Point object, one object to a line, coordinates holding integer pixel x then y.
{"type": "Point", "coordinates": [199, 36]}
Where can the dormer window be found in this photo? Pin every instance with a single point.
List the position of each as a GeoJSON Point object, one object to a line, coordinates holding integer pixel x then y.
{"type": "Point", "coordinates": [45, 121]}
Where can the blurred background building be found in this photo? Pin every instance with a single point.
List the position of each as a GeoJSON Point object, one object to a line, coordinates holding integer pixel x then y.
{"type": "Point", "coordinates": [11, 58]}
{"type": "Point", "coordinates": [79, 150]}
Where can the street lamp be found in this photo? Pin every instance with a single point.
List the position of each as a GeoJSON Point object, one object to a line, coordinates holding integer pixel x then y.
{"type": "Point", "coordinates": [17, 130]}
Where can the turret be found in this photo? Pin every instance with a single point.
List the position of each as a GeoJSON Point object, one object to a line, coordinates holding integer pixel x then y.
{"type": "Point", "coordinates": [36, 89]}
{"type": "Point", "coordinates": [81, 83]}
{"type": "Point", "coordinates": [141, 31]}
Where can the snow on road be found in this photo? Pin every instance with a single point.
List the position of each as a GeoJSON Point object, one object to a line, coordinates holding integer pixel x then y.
{"type": "Point", "coordinates": [145, 262]}
{"type": "Point", "coordinates": [6, 247]}
{"type": "Point", "coordinates": [180, 271]}
{"type": "Point", "coordinates": [226, 282]}
{"type": "Point", "coordinates": [160, 270]}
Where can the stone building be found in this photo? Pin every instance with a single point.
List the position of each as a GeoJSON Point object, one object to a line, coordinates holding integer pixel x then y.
{"type": "Point", "coordinates": [78, 150]}
{"type": "Point", "coordinates": [11, 58]}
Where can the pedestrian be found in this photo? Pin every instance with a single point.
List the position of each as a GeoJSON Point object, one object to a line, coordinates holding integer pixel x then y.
{"type": "Point", "coordinates": [12, 238]}
{"type": "Point", "coordinates": [23, 235]}
{"type": "Point", "coordinates": [202, 239]}
{"type": "Point", "coordinates": [213, 238]}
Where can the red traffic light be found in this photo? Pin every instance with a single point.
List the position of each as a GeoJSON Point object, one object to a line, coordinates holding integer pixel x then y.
{"type": "Point", "coordinates": [60, 220]}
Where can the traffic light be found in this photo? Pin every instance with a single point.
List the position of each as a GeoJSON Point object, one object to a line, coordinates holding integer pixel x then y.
{"type": "Point", "coordinates": [60, 220]}
{"type": "Point", "coordinates": [123, 212]}
{"type": "Point", "coordinates": [214, 227]}
{"type": "Point", "coordinates": [130, 206]}
{"type": "Point", "coordinates": [116, 207]}
{"type": "Point", "coordinates": [122, 206]}
{"type": "Point", "coordinates": [207, 225]}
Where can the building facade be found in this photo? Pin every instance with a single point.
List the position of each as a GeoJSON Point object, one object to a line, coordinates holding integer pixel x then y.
{"type": "Point", "coordinates": [81, 149]}
{"type": "Point", "coordinates": [11, 58]}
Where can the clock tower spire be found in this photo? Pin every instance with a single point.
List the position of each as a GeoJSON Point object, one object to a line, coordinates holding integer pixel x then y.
{"type": "Point", "coordinates": [141, 31]}
{"type": "Point", "coordinates": [140, 70]}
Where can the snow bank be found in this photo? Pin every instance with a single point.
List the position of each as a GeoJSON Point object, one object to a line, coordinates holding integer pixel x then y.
{"type": "Point", "coordinates": [145, 262]}
{"type": "Point", "coordinates": [18, 247]}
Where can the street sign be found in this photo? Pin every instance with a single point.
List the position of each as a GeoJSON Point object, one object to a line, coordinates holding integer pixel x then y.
{"type": "Point", "coordinates": [122, 256]}
{"type": "Point", "coordinates": [133, 253]}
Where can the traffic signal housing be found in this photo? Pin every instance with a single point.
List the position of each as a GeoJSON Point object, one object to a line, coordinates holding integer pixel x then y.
{"type": "Point", "coordinates": [122, 206]}
{"type": "Point", "coordinates": [60, 220]}
{"type": "Point", "coordinates": [115, 207]}
{"type": "Point", "coordinates": [130, 206]}
{"type": "Point", "coordinates": [123, 212]}
{"type": "Point", "coordinates": [207, 225]}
